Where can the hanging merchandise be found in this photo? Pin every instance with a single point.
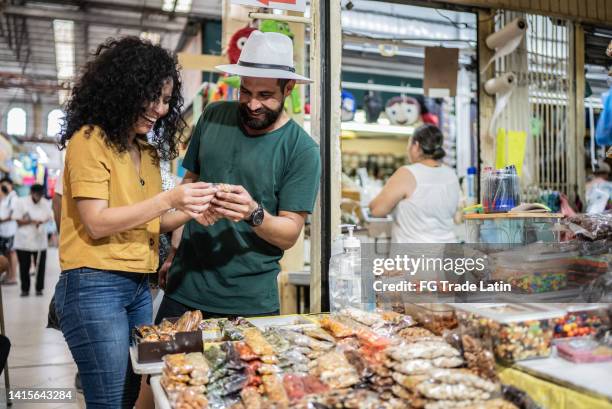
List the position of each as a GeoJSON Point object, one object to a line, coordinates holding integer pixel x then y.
{"type": "Point", "coordinates": [510, 149]}
{"type": "Point", "coordinates": [603, 131]}
{"type": "Point", "coordinates": [221, 92]}
{"type": "Point", "coordinates": [426, 116]}
{"type": "Point", "coordinates": [403, 110]}
{"type": "Point", "coordinates": [275, 26]}
{"type": "Point", "coordinates": [506, 40]}
{"type": "Point", "coordinates": [373, 106]}
{"type": "Point", "coordinates": [348, 106]}
{"type": "Point", "coordinates": [237, 41]}
{"type": "Point", "coordinates": [502, 87]}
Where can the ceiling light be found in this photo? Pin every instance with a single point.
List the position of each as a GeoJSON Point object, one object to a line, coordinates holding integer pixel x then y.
{"type": "Point", "coordinates": [168, 5]}
{"type": "Point", "coordinates": [154, 38]}
{"type": "Point", "coordinates": [181, 6]}
{"type": "Point", "coordinates": [63, 33]}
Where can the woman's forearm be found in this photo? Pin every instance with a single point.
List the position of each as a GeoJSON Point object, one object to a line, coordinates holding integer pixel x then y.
{"type": "Point", "coordinates": [173, 220]}
{"type": "Point", "coordinates": [101, 221]}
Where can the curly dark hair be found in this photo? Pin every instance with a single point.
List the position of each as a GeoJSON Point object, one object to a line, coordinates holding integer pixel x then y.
{"type": "Point", "coordinates": [116, 86]}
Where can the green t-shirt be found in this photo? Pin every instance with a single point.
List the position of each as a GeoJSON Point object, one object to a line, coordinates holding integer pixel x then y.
{"type": "Point", "coordinates": [226, 268]}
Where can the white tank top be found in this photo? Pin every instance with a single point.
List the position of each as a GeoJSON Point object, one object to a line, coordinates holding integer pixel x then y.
{"type": "Point", "coordinates": [427, 215]}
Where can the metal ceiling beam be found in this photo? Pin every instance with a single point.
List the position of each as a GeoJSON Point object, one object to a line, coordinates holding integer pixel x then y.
{"type": "Point", "coordinates": [31, 83]}
{"type": "Point", "coordinates": [97, 18]}
{"type": "Point", "coordinates": [106, 5]}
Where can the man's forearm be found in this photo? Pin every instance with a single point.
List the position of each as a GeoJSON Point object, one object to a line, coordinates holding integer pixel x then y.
{"type": "Point", "coordinates": [280, 231]}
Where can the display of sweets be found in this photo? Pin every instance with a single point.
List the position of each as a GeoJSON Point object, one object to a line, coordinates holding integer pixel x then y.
{"type": "Point", "coordinates": [540, 282]}
{"type": "Point", "coordinates": [581, 320]}
{"type": "Point", "coordinates": [517, 331]}
{"type": "Point", "coordinates": [522, 340]}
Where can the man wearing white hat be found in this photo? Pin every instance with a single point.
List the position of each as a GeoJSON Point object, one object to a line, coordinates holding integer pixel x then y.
{"type": "Point", "coordinates": [269, 168]}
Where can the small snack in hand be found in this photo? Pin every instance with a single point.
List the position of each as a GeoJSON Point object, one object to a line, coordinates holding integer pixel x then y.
{"type": "Point", "coordinates": [223, 187]}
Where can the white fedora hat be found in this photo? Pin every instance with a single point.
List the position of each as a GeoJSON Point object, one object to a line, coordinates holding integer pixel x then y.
{"type": "Point", "coordinates": [266, 55]}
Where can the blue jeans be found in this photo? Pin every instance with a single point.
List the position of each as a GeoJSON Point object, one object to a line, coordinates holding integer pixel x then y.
{"type": "Point", "coordinates": [97, 310]}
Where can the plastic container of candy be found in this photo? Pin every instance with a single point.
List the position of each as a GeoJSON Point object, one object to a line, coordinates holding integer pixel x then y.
{"type": "Point", "coordinates": [581, 320]}
{"type": "Point", "coordinates": [540, 282]}
{"type": "Point", "coordinates": [517, 331]}
{"type": "Point", "coordinates": [435, 317]}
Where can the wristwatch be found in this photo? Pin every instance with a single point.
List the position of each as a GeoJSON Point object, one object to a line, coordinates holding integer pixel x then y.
{"type": "Point", "coordinates": [256, 218]}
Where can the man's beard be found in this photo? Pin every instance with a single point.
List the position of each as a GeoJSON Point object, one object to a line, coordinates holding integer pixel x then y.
{"type": "Point", "coordinates": [270, 116]}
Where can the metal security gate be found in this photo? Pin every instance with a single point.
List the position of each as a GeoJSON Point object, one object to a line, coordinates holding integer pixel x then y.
{"type": "Point", "coordinates": [544, 67]}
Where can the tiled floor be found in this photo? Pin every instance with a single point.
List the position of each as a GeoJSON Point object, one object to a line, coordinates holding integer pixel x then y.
{"type": "Point", "coordinates": [39, 356]}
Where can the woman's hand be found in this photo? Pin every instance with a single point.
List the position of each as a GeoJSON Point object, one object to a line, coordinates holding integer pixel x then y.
{"type": "Point", "coordinates": [208, 217]}
{"type": "Point", "coordinates": [191, 198]}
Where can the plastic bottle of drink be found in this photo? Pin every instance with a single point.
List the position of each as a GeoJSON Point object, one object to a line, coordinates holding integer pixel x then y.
{"type": "Point", "coordinates": [471, 186]}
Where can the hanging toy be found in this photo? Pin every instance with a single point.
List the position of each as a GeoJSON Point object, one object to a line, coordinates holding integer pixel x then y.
{"type": "Point", "coordinates": [274, 26]}
{"type": "Point", "coordinates": [220, 93]}
{"type": "Point", "coordinates": [348, 106]}
{"type": "Point", "coordinates": [426, 116]}
{"type": "Point", "coordinates": [236, 42]}
{"type": "Point", "coordinates": [403, 110]}
{"type": "Point", "coordinates": [373, 106]}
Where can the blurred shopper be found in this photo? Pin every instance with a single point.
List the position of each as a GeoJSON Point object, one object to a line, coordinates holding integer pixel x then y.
{"type": "Point", "coordinates": [56, 201]}
{"type": "Point", "coordinates": [5, 348]}
{"type": "Point", "coordinates": [113, 208]}
{"type": "Point", "coordinates": [423, 196]}
{"type": "Point", "coordinates": [32, 214]}
{"type": "Point", "coordinates": [599, 189]}
{"type": "Point", "coordinates": [8, 228]}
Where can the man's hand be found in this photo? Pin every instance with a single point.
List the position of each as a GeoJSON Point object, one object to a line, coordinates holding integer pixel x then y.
{"type": "Point", "coordinates": [236, 205]}
{"type": "Point", "coordinates": [208, 217]}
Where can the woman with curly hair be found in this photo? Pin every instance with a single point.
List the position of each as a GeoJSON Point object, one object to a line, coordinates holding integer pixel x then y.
{"type": "Point", "coordinates": [113, 208]}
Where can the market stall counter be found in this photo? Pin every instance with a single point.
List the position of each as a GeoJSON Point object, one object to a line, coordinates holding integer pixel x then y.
{"type": "Point", "coordinates": [388, 359]}
{"type": "Point", "coordinates": [350, 359]}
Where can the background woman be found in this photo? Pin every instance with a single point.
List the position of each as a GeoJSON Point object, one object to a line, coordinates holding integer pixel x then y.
{"type": "Point", "coordinates": [423, 196]}
{"type": "Point", "coordinates": [113, 208]}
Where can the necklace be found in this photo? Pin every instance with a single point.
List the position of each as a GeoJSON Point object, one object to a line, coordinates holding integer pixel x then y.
{"type": "Point", "coordinates": [136, 148]}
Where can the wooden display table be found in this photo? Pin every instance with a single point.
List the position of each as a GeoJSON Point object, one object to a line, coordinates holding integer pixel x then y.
{"type": "Point", "coordinates": [517, 215]}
